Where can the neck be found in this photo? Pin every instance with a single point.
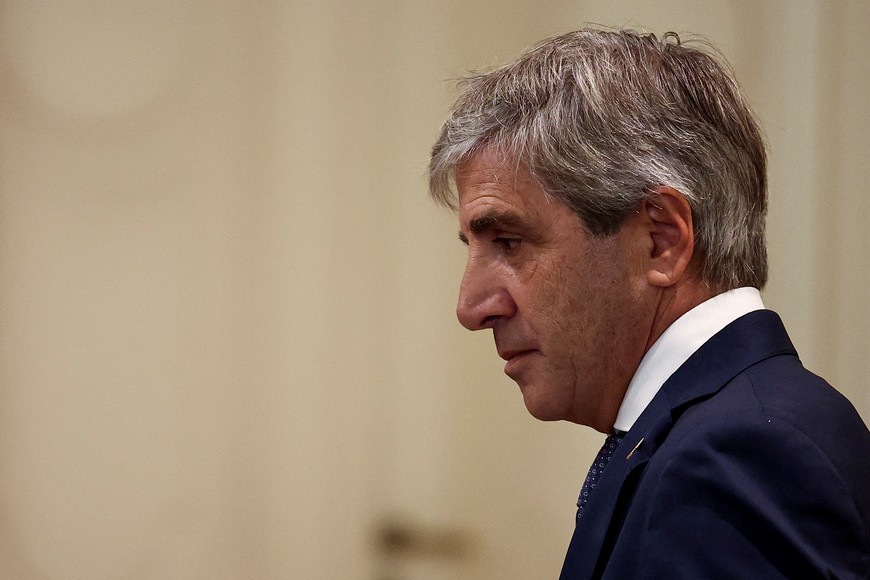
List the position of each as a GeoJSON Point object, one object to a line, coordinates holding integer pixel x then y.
{"type": "Point", "coordinates": [673, 302]}
{"type": "Point", "coordinates": [661, 309]}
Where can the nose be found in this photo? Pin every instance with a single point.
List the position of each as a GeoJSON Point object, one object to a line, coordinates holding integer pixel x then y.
{"type": "Point", "coordinates": [483, 298]}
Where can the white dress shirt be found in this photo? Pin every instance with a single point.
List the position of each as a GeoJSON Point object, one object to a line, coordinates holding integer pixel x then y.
{"type": "Point", "coordinates": [678, 343]}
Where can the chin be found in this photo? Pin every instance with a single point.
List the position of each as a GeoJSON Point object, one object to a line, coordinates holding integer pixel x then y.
{"type": "Point", "coordinates": [544, 408]}
{"type": "Point", "coordinates": [545, 415]}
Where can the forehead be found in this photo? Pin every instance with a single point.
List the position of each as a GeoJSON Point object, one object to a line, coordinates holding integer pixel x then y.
{"type": "Point", "coordinates": [490, 178]}
{"type": "Point", "coordinates": [498, 193]}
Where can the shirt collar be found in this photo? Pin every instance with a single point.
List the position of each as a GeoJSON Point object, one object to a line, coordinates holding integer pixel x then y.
{"type": "Point", "coordinates": [677, 343]}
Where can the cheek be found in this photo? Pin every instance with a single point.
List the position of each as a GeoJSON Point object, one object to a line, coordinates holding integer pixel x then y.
{"type": "Point", "coordinates": [590, 304]}
{"type": "Point", "coordinates": [548, 294]}
{"type": "Point", "coordinates": [563, 310]}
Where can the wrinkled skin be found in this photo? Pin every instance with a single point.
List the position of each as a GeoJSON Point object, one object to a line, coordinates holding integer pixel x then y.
{"type": "Point", "coordinates": [572, 314]}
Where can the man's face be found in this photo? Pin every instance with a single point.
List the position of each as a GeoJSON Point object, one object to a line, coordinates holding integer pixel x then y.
{"type": "Point", "coordinates": [565, 307]}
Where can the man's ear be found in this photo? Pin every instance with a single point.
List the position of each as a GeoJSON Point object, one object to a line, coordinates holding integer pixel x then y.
{"type": "Point", "coordinates": [668, 217]}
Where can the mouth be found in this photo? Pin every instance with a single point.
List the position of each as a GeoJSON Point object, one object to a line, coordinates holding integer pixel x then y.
{"type": "Point", "coordinates": [509, 355]}
{"type": "Point", "coordinates": [515, 361]}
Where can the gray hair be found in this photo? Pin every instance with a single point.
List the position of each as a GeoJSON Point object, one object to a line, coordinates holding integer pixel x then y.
{"type": "Point", "coordinates": [602, 118]}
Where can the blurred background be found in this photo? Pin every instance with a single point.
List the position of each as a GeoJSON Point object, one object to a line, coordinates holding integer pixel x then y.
{"type": "Point", "coordinates": [227, 340]}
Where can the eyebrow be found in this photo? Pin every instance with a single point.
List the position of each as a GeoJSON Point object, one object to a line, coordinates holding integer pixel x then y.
{"type": "Point", "coordinates": [488, 220]}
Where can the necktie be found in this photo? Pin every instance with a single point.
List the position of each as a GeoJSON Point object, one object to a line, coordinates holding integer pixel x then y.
{"type": "Point", "coordinates": [607, 450]}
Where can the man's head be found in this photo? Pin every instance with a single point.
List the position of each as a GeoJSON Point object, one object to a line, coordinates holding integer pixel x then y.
{"type": "Point", "coordinates": [607, 182]}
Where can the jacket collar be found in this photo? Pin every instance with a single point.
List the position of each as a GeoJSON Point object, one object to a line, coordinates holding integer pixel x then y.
{"type": "Point", "coordinates": [746, 341]}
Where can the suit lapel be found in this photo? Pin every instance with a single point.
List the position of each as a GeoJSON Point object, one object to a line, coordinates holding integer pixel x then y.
{"type": "Point", "coordinates": [743, 343]}
{"type": "Point", "coordinates": [633, 454]}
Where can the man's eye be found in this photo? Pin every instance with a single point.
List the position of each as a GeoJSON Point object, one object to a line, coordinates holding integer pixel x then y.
{"type": "Point", "coordinates": [508, 244]}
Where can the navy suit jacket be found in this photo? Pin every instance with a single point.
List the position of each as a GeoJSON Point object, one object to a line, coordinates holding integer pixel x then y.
{"type": "Point", "coordinates": [745, 465]}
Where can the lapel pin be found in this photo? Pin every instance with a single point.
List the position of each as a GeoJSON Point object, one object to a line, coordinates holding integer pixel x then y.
{"type": "Point", "coordinates": [636, 447]}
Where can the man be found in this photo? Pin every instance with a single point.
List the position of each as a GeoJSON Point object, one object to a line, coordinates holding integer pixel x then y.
{"type": "Point", "coordinates": [611, 189]}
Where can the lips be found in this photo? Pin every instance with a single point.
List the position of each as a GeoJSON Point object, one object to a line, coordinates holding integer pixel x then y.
{"type": "Point", "coordinates": [516, 360]}
{"type": "Point", "coordinates": [510, 354]}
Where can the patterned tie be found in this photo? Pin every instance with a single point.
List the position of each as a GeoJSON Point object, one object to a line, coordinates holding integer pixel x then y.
{"type": "Point", "coordinates": [607, 450]}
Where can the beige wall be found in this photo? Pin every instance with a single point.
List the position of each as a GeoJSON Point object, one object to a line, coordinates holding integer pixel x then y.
{"type": "Point", "coordinates": [227, 345]}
